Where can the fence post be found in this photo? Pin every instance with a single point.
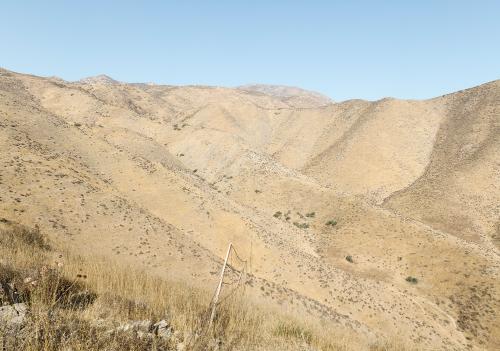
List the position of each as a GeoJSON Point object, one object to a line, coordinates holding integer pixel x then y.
{"type": "Point", "coordinates": [219, 287]}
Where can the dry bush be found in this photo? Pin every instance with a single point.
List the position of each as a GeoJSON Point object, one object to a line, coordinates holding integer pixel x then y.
{"type": "Point", "coordinates": [22, 237]}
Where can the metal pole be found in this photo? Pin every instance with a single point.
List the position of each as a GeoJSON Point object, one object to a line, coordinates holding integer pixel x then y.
{"type": "Point", "coordinates": [219, 287]}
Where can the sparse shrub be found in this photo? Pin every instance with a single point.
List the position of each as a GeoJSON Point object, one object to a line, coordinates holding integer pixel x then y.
{"type": "Point", "coordinates": [277, 214]}
{"type": "Point", "coordinates": [331, 223]}
{"type": "Point", "coordinates": [257, 191]}
{"type": "Point", "coordinates": [301, 225]}
{"type": "Point", "coordinates": [77, 124]}
{"type": "Point", "coordinates": [411, 280]}
{"type": "Point", "coordinates": [287, 215]}
{"type": "Point", "coordinates": [311, 214]}
{"type": "Point", "coordinates": [349, 259]}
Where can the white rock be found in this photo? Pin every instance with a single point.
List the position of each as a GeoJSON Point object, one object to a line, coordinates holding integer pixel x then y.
{"type": "Point", "coordinates": [13, 315]}
{"type": "Point", "coordinates": [163, 329]}
{"type": "Point", "coordinates": [142, 326]}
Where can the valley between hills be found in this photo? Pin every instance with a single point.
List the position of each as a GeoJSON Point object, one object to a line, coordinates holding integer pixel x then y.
{"type": "Point", "coordinates": [380, 218]}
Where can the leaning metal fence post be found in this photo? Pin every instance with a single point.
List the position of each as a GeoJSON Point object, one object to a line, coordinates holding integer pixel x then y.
{"type": "Point", "coordinates": [219, 287]}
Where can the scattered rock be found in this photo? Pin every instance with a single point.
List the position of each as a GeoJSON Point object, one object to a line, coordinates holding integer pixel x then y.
{"type": "Point", "coordinates": [137, 326]}
{"type": "Point", "coordinates": [163, 329]}
{"type": "Point", "coordinates": [146, 329]}
{"type": "Point", "coordinates": [13, 316]}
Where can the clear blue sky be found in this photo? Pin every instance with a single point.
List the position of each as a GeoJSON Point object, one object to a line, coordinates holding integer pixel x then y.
{"type": "Point", "coordinates": [345, 49]}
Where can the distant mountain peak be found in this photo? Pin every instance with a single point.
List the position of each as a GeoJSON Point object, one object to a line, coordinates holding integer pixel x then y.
{"type": "Point", "coordinates": [288, 92]}
{"type": "Point", "coordinates": [99, 79]}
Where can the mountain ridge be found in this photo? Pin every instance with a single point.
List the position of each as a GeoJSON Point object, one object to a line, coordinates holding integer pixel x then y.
{"type": "Point", "coordinates": [193, 169]}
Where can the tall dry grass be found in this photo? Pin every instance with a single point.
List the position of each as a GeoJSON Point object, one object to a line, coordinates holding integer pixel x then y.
{"type": "Point", "coordinates": [76, 303]}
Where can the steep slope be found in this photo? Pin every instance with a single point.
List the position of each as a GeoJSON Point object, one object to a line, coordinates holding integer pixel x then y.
{"type": "Point", "coordinates": [384, 148]}
{"type": "Point", "coordinates": [459, 192]}
{"type": "Point", "coordinates": [166, 177]}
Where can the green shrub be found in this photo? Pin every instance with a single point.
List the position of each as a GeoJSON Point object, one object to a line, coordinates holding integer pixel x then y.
{"type": "Point", "coordinates": [411, 280]}
{"type": "Point", "coordinates": [349, 259]}
{"type": "Point", "coordinates": [311, 214]}
{"type": "Point", "coordinates": [277, 214]}
{"type": "Point", "coordinates": [331, 223]}
{"type": "Point", "coordinates": [301, 225]}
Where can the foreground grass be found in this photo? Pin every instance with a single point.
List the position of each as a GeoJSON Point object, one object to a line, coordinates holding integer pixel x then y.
{"type": "Point", "coordinates": [77, 302]}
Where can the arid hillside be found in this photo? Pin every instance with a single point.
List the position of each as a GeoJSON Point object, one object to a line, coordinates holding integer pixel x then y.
{"type": "Point", "coordinates": [380, 219]}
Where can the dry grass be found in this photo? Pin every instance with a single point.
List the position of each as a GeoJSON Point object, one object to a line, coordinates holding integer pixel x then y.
{"type": "Point", "coordinates": [77, 302]}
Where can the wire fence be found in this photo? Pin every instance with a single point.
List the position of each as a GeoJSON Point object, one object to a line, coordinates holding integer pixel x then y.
{"type": "Point", "coordinates": [232, 280]}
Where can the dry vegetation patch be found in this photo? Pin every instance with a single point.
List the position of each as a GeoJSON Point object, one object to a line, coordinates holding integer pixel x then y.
{"type": "Point", "coordinates": [89, 303]}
